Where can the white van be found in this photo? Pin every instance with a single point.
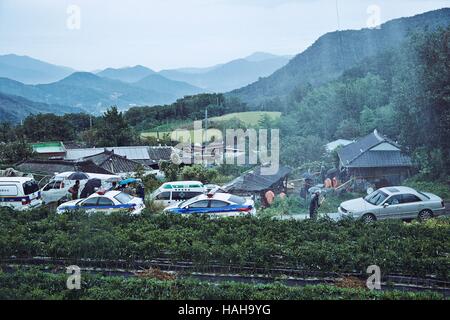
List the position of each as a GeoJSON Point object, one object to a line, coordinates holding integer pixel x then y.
{"type": "Point", "coordinates": [171, 193]}
{"type": "Point", "coordinates": [58, 186]}
{"type": "Point", "coordinates": [19, 193]}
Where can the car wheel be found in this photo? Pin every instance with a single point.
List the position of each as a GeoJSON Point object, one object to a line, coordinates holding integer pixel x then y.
{"type": "Point", "coordinates": [368, 218]}
{"type": "Point", "coordinates": [425, 215]}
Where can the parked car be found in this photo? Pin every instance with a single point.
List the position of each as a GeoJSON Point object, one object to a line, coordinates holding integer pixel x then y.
{"type": "Point", "coordinates": [19, 193]}
{"type": "Point", "coordinates": [108, 202]}
{"type": "Point", "coordinates": [173, 193]}
{"type": "Point", "coordinates": [394, 203]}
{"type": "Point", "coordinates": [219, 204]}
{"type": "Point", "coordinates": [58, 187]}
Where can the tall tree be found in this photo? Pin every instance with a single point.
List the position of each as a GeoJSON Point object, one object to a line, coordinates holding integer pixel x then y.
{"type": "Point", "coordinates": [112, 130]}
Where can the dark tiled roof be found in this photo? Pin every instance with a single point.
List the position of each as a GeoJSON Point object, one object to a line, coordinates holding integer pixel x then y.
{"type": "Point", "coordinates": [374, 159]}
{"type": "Point", "coordinates": [108, 160]}
{"type": "Point", "coordinates": [358, 154]}
{"type": "Point", "coordinates": [49, 167]}
{"type": "Point", "coordinates": [157, 154]}
{"type": "Point", "coordinates": [253, 181]}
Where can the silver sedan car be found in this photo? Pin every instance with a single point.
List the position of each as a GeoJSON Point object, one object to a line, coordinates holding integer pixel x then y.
{"type": "Point", "coordinates": [394, 203]}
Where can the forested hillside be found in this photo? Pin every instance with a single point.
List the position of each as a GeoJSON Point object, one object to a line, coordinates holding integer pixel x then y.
{"type": "Point", "coordinates": [15, 108]}
{"type": "Point", "coordinates": [334, 53]}
{"type": "Point", "coordinates": [404, 93]}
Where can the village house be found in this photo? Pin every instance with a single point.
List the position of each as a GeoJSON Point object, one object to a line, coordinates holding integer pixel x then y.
{"type": "Point", "coordinates": [376, 159]}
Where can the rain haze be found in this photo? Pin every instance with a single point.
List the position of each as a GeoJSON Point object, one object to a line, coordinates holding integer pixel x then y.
{"type": "Point", "coordinates": [161, 34]}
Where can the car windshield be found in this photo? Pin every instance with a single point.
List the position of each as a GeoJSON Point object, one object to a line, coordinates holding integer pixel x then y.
{"type": "Point", "coordinates": [376, 198]}
{"type": "Point", "coordinates": [123, 198]}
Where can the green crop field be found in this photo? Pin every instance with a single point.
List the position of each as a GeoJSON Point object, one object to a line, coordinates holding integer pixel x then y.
{"type": "Point", "coordinates": [249, 118]}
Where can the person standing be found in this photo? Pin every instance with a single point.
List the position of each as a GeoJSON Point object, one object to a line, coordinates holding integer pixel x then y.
{"type": "Point", "coordinates": [74, 190]}
{"type": "Point", "coordinates": [314, 205]}
{"type": "Point", "coordinates": [140, 191]}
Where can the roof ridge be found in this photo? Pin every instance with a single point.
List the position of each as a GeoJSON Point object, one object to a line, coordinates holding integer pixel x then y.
{"type": "Point", "coordinates": [377, 135]}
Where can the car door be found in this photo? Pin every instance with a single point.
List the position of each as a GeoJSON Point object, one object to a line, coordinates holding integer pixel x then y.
{"type": "Point", "coordinates": [391, 207]}
{"type": "Point", "coordinates": [411, 206]}
{"type": "Point", "coordinates": [90, 204]}
{"type": "Point", "coordinates": [53, 192]}
{"type": "Point", "coordinates": [105, 205]}
{"type": "Point", "coordinates": [164, 198]}
{"type": "Point", "coordinates": [221, 207]}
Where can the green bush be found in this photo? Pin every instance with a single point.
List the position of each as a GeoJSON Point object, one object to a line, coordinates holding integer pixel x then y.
{"type": "Point", "coordinates": [346, 246]}
{"type": "Point", "coordinates": [35, 284]}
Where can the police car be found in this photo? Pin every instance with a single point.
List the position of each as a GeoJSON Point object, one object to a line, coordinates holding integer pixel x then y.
{"type": "Point", "coordinates": [215, 204]}
{"type": "Point", "coordinates": [105, 202]}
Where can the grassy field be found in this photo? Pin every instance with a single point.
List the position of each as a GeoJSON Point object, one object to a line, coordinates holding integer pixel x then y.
{"type": "Point", "coordinates": [249, 118]}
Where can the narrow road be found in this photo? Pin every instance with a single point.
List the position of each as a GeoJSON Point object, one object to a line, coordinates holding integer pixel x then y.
{"type": "Point", "coordinates": [336, 215]}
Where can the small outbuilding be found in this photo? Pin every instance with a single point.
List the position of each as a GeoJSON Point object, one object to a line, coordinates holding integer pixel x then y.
{"type": "Point", "coordinates": [253, 182]}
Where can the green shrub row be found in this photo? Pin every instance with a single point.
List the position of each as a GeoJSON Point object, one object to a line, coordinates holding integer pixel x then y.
{"type": "Point", "coordinates": [39, 285]}
{"type": "Point", "coordinates": [346, 246]}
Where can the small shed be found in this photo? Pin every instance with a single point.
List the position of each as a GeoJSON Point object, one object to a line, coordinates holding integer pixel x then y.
{"type": "Point", "coordinates": [253, 182]}
{"type": "Point", "coordinates": [48, 150]}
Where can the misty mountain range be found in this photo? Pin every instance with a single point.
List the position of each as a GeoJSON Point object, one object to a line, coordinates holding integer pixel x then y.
{"type": "Point", "coordinates": [256, 79]}
{"type": "Point", "coordinates": [49, 84]}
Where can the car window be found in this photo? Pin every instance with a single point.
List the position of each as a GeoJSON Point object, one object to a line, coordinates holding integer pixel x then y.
{"type": "Point", "coordinates": [236, 199]}
{"type": "Point", "coordinates": [199, 204]}
{"type": "Point", "coordinates": [410, 198]}
{"type": "Point", "coordinates": [49, 186]}
{"type": "Point", "coordinates": [105, 202]}
{"type": "Point", "coordinates": [188, 202]}
{"type": "Point", "coordinates": [218, 204]}
{"type": "Point", "coordinates": [123, 198]}
{"type": "Point", "coordinates": [163, 196]}
{"type": "Point", "coordinates": [91, 202]}
{"type": "Point", "coordinates": [394, 200]}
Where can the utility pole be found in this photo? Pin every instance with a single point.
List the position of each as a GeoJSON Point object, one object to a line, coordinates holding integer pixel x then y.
{"type": "Point", "coordinates": [206, 125]}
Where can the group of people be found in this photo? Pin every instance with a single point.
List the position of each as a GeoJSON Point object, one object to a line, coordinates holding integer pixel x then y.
{"type": "Point", "coordinates": [138, 191]}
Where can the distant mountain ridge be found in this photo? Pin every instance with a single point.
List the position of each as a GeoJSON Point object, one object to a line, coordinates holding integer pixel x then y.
{"type": "Point", "coordinates": [335, 52]}
{"type": "Point", "coordinates": [31, 71]}
{"type": "Point", "coordinates": [232, 75]}
{"type": "Point", "coordinates": [127, 74]}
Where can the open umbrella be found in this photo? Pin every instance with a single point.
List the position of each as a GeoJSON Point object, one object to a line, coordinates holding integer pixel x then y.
{"type": "Point", "coordinates": [78, 176]}
{"type": "Point", "coordinates": [128, 181]}
{"type": "Point", "coordinates": [90, 187]}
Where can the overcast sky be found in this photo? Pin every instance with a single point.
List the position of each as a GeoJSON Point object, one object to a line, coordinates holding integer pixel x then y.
{"type": "Point", "coordinates": [163, 34]}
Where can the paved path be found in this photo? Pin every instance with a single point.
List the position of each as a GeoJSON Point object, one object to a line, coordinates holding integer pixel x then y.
{"type": "Point", "coordinates": [336, 216]}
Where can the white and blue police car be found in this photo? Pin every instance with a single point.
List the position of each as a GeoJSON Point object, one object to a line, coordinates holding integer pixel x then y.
{"type": "Point", "coordinates": [215, 205]}
{"type": "Point", "coordinates": [107, 202]}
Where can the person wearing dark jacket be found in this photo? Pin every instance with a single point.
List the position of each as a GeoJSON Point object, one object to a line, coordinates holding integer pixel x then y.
{"type": "Point", "coordinates": [140, 191]}
{"type": "Point", "coordinates": [314, 205]}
